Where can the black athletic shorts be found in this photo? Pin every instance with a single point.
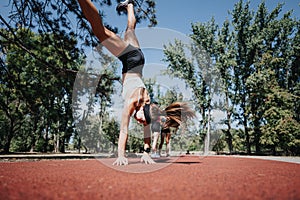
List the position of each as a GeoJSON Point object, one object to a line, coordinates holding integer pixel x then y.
{"type": "Point", "coordinates": [165, 130]}
{"type": "Point", "coordinates": [133, 60]}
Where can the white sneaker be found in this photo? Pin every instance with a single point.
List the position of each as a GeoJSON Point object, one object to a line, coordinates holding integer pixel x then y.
{"type": "Point", "coordinates": [155, 155]}
{"type": "Point", "coordinates": [122, 6]}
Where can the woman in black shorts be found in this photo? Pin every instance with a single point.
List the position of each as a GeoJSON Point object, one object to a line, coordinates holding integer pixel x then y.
{"type": "Point", "coordinates": [155, 129]}
{"type": "Point", "coordinates": [135, 95]}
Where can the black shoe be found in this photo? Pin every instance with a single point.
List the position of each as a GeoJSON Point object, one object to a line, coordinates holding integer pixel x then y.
{"type": "Point", "coordinates": [123, 5]}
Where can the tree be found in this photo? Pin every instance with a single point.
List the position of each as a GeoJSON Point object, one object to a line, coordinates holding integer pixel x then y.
{"type": "Point", "coordinates": [37, 80]}
{"type": "Point", "coordinates": [260, 35]}
{"type": "Point", "coordinates": [249, 53]}
{"type": "Point", "coordinates": [25, 101]}
{"type": "Point", "coordinates": [92, 97]}
{"type": "Point", "coordinates": [280, 131]}
{"type": "Point", "coordinates": [225, 62]}
{"type": "Point", "coordinates": [57, 17]}
{"type": "Point", "coordinates": [196, 74]}
{"type": "Point", "coordinates": [218, 43]}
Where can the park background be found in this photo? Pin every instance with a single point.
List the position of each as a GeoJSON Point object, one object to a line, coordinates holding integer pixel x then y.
{"type": "Point", "coordinates": [254, 49]}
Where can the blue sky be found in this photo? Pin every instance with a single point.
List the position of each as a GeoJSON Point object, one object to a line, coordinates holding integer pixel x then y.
{"type": "Point", "coordinates": [178, 14]}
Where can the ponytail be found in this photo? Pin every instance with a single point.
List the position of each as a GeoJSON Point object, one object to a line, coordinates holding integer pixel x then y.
{"type": "Point", "coordinates": [175, 114]}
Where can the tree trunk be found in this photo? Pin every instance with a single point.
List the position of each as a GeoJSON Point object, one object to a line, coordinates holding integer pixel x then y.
{"type": "Point", "coordinates": [9, 137]}
{"type": "Point", "coordinates": [62, 148]}
{"type": "Point", "coordinates": [7, 143]}
{"type": "Point", "coordinates": [79, 145]}
{"type": "Point", "coordinates": [45, 146]}
{"type": "Point", "coordinates": [56, 145]}
{"type": "Point", "coordinates": [245, 123]}
{"type": "Point", "coordinates": [229, 140]}
{"type": "Point", "coordinates": [273, 150]}
{"type": "Point", "coordinates": [228, 131]}
{"type": "Point", "coordinates": [257, 135]}
{"type": "Point", "coordinates": [33, 136]}
{"type": "Point", "coordinates": [101, 140]}
{"type": "Point", "coordinates": [248, 145]}
{"type": "Point", "coordinates": [207, 138]}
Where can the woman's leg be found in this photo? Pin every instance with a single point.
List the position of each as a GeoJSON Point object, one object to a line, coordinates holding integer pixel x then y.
{"type": "Point", "coordinates": [107, 38]}
{"type": "Point", "coordinates": [130, 36]}
{"type": "Point", "coordinates": [155, 141]}
{"type": "Point", "coordinates": [168, 136]}
{"type": "Point", "coordinates": [162, 139]}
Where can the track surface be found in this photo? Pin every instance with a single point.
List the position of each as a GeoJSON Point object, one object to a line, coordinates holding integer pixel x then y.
{"type": "Point", "coordinates": [188, 177]}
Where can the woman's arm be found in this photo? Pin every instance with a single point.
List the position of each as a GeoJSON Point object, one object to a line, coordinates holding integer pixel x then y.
{"type": "Point", "coordinates": [124, 130]}
{"type": "Point", "coordinates": [147, 140]}
{"type": "Point", "coordinates": [128, 109]}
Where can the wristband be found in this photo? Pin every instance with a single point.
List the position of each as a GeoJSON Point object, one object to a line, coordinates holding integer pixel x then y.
{"type": "Point", "coordinates": [147, 150]}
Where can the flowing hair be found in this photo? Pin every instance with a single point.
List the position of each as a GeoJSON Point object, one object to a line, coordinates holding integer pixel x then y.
{"type": "Point", "coordinates": [176, 114]}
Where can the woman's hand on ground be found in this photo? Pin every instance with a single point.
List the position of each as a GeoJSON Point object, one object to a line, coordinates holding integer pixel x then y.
{"type": "Point", "coordinates": [121, 160]}
{"type": "Point", "coordinates": [147, 159]}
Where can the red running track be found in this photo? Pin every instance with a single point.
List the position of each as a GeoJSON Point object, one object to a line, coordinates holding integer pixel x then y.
{"type": "Point", "coordinates": [189, 177]}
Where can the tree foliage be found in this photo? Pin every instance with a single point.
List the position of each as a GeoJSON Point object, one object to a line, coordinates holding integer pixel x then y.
{"type": "Point", "coordinates": [36, 99]}
{"type": "Point", "coordinates": [256, 56]}
{"type": "Point", "coordinates": [42, 48]}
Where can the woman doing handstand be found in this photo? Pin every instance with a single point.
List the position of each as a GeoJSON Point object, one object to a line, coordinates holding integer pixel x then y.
{"type": "Point", "coordinates": [135, 95]}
